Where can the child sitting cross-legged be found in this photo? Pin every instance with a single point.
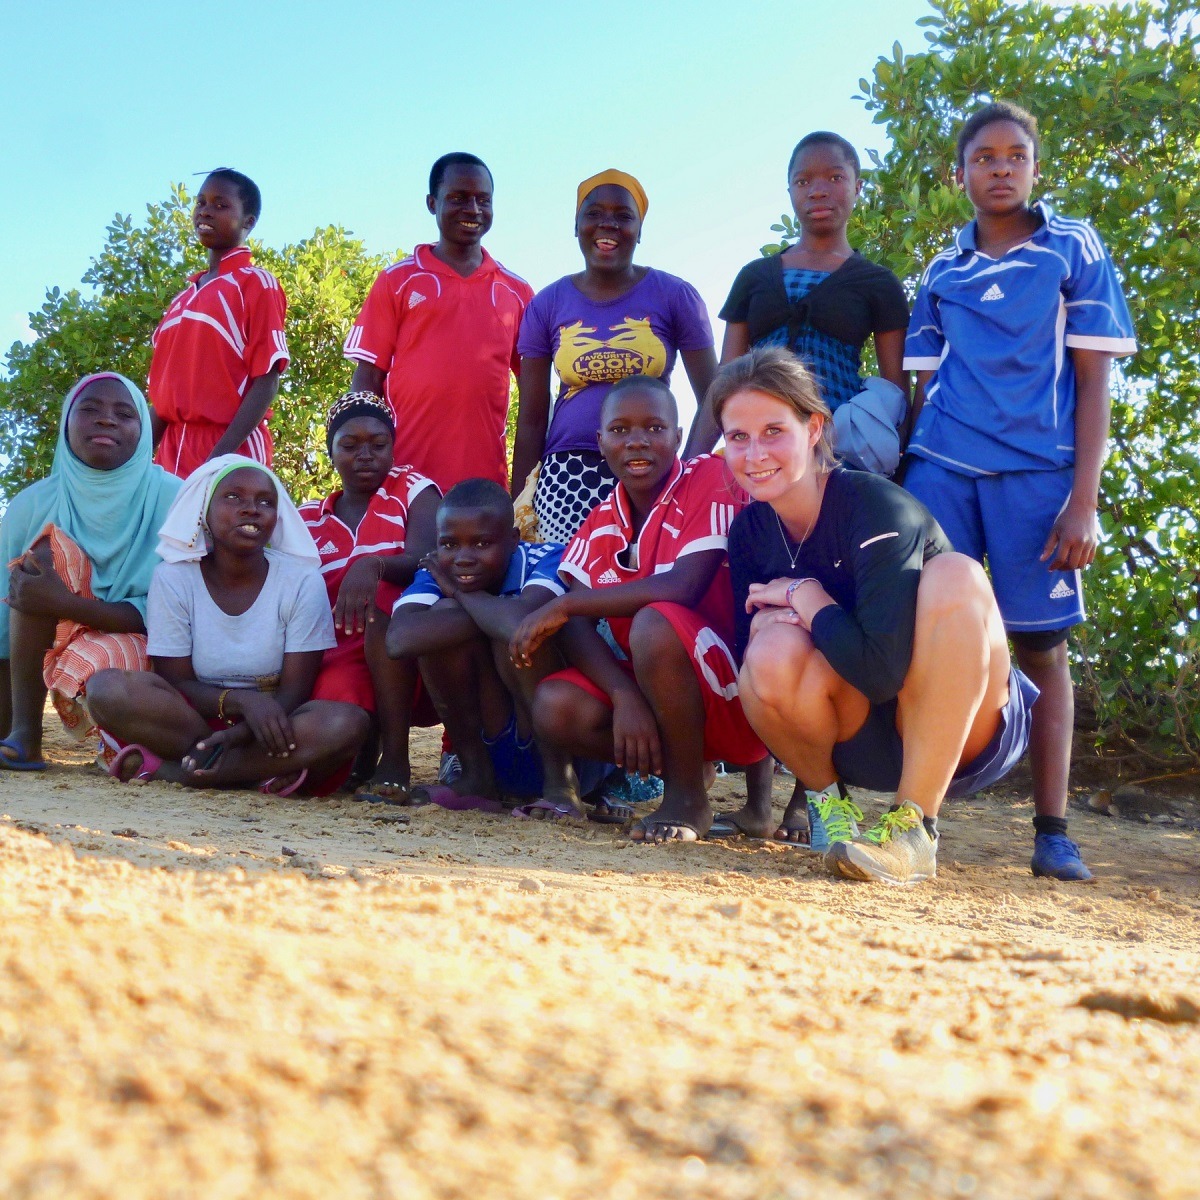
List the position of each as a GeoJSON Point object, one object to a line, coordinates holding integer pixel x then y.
{"type": "Point", "coordinates": [456, 619]}
{"type": "Point", "coordinates": [237, 623]}
{"type": "Point", "coordinates": [652, 560]}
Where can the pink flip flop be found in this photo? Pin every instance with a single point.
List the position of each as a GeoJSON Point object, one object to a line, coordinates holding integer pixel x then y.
{"type": "Point", "coordinates": [448, 798]}
{"type": "Point", "coordinates": [150, 763]}
{"type": "Point", "coordinates": [296, 784]}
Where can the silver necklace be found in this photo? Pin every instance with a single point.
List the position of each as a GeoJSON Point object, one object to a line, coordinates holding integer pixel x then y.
{"type": "Point", "coordinates": [799, 545]}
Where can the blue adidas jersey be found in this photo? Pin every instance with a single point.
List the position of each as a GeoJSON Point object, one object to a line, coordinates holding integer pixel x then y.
{"type": "Point", "coordinates": [531, 563]}
{"type": "Point", "coordinates": [996, 333]}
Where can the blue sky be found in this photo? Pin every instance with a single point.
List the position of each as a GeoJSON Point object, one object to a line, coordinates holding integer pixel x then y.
{"type": "Point", "coordinates": [338, 110]}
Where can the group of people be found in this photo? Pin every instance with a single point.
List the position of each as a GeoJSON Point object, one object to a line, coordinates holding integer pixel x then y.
{"type": "Point", "coordinates": [618, 618]}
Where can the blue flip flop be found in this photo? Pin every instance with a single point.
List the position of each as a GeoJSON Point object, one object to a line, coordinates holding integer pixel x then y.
{"type": "Point", "coordinates": [20, 763]}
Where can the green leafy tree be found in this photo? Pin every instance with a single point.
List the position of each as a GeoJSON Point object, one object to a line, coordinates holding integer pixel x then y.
{"type": "Point", "coordinates": [107, 326]}
{"type": "Point", "coordinates": [1116, 89]}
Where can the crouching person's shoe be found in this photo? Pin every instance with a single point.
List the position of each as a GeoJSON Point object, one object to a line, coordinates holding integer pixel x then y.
{"type": "Point", "coordinates": [898, 850]}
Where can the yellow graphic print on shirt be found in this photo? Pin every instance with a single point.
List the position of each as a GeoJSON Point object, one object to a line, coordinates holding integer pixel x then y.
{"type": "Point", "coordinates": [632, 349]}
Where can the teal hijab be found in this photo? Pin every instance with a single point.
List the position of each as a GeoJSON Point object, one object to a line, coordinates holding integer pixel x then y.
{"type": "Point", "coordinates": [113, 516]}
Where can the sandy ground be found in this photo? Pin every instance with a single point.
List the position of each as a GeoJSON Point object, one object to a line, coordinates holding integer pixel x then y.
{"type": "Point", "coordinates": [429, 1004]}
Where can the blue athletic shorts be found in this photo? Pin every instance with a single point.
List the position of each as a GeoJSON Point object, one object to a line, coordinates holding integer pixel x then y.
{"type": "Point", "coordinates": [874, 756]}
{"type": "Point", "coordinates": [1004, 520]}
{"type": "Point", "coordinates": [517, 764]}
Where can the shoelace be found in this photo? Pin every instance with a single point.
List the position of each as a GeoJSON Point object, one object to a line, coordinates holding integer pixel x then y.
{"type": "Point", "coordinates": [837, 813]}
{"type": "Point", "coordinates": [892, 824]}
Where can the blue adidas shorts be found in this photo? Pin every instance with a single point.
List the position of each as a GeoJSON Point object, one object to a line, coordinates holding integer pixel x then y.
{"type": "Point", "coordinates": [1004, 520]}
{"type": "Point", "coordinates": [874, 757]}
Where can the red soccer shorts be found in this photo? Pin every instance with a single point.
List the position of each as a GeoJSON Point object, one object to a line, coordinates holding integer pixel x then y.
{"type": "Point", "coordinates": [728, 736]}
{"type": "Point", "coordinates": [186, 445]}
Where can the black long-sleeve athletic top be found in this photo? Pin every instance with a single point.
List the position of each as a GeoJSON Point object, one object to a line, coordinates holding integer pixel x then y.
{"type": "Point", "coordinates": [867, 549]}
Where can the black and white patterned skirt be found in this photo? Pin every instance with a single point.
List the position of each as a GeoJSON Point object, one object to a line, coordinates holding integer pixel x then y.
{"type": "Point", "coordinates": [570, 484]}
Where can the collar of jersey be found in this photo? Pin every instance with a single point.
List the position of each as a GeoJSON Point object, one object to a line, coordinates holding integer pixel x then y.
{"type": "Point", "coordinates": [237, 258]}
{"type": "Point", "coordinates": [426, 260]}
{"type": "Point", "coordinates": [964, 240]}
{"type": "Point", "coordinates": [621, 501]}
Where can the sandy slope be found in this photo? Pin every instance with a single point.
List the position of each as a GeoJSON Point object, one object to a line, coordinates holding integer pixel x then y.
{"type": "Point", "coordinates": [471, 1006]}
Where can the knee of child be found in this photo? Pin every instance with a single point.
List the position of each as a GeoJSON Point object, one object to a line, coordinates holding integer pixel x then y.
{"type": "Point", "coordinates": [1040, 650]}
{"type": "Point", "coordinates": [554, 714]}
{"type": "Point", "coordinates": [650, 636]}
{"type": "Point", "coordinates": [107, 694]}
{"type": "Point", "coordinates": [346, 725]}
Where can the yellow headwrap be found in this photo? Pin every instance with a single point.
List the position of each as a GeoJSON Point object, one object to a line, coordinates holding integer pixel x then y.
{"type": "Point", "coordinates": [621, 179]}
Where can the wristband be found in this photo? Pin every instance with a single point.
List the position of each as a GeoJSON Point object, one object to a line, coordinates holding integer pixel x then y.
{"type": "Point", "coordinates": [791, 590]}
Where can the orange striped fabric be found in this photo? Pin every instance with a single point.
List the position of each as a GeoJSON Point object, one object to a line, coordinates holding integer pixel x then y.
{"type": "Point", "coordinates": [79, 652]}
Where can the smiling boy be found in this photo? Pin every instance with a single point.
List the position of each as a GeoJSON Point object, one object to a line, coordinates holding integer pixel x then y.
{"type": "Point", "coordinates": [652, 560]}
{"type": "Point", "coordinates": [437, 336]}
{"type": "Point", "coordinates": [456, 619]}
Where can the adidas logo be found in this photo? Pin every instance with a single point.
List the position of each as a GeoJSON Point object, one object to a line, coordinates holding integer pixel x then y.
{"type": "Point", "coordinates": [415, 298]}
{"type": "Point", "coordinates": [327, 548]}
{"type": "Point", "coordinates": [993, 293]}
{"type": "Point", "coordinates": [609, 576]}
{"type": "Point", "coordinates": [1061, 590]}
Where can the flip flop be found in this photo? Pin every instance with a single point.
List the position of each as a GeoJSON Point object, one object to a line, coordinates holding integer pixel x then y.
{"type": "Point", "coordinates": [608, 811]}
{"type": "Point", "coordinates": [296, 784]}
{"type": "Point", "coordinates": [546, 810]}
{"type": "Point", "coordinates": [648, 826]}
{"type": "Point", "coordinates": [801, 842]}
{"type": "Point", "coordinates": [371, 792]}
{"type": "Point", "coordinates": [448, 798]}
{"type": "Point", "coordinates": [20, 763]}
{"type": "Point", "coordinates": [724, 828]}
{"type": "Point", "coordinates": [150, 763]}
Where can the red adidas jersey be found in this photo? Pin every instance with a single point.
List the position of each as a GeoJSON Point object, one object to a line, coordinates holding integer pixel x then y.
{"type": "Point", "coordinates": [448, 345]}
{"type": "Point", "coordinates": [694, 513]}
{"type": "Point", "coordinates": [215, 339]}
{"type": "Point", "coordinates": [380, 532]}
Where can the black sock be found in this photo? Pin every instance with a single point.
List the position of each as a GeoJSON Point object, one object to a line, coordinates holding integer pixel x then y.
{"type": "Point", "coordinates": [1050, 825]}
{"type": "Point", "coordinates": [931, 827]}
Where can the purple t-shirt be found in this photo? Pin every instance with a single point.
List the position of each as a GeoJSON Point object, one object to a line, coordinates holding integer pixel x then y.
{"type": "Point", "coordinates": [595, 345]}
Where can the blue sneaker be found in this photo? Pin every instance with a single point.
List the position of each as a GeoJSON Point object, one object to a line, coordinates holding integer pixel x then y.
{"type": "Point", "coordinates": [831, 819]}
{"type": "Point", "coordinates": [1056, 856]}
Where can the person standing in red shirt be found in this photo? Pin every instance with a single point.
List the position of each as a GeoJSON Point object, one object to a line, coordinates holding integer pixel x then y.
{"type": "Point", "coordinates": [220, 348]}
{"type": "Point", "coordinates": [437, 336]}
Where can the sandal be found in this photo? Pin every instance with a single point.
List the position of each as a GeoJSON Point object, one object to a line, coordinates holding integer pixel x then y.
{"type": "Point", "coordinates": [19, 762]}
{"type": "Point", "coordinates": [547, 810]}
{"type": "Point", "coordinates": [150, 764]}
{"type": "Point", "coordinates": [268, 789]}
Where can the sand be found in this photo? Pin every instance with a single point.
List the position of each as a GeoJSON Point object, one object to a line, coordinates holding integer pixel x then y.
{"type": "Point", "coordinates": [225, 995]}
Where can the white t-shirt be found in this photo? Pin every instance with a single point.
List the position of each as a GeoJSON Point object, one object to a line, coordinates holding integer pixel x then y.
{"type": "Point", "coordinates": [291, 615]}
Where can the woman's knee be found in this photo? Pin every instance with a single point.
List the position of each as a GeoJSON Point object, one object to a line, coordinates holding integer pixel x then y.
{"type": "Point", "coordinates": [951, 585]}
{"type": "Point", "coordinates": [777, 663]}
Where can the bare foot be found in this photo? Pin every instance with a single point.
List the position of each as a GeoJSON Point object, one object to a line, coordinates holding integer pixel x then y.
{"type": "Point", "coordinates": [793, 829]}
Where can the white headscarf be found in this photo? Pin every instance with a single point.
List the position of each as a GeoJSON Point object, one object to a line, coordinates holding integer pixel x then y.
{"type": "Point", "coordinates": [182, 537]}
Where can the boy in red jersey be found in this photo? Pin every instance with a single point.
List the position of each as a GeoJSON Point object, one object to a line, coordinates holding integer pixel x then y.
{"type": "Point", "coordinates": [652, 559]}
{"type": "Point", "coordinates": [437, 336]}
{"type": "Point", "coordinates": [371, 537]}
{"type": "Point", "coordinates": [220, 348]}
